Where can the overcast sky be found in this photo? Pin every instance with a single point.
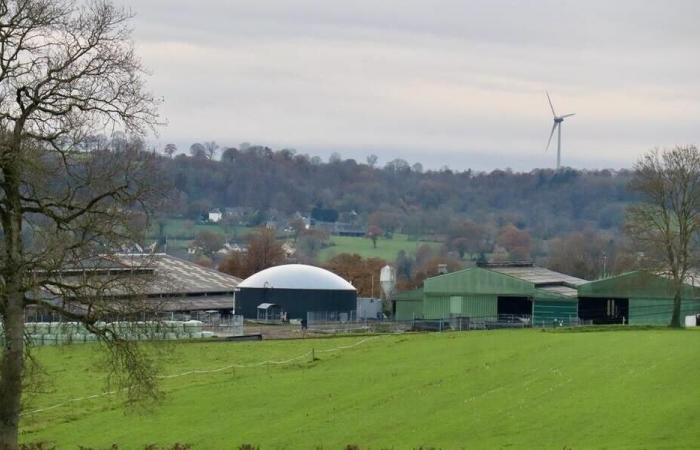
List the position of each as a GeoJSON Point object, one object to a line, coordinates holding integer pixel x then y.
{"type": "Point", "coordinates": [442, 82]}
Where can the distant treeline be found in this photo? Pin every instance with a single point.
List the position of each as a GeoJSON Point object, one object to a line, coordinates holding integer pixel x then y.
{"type": "Point", "coordinates": [399, 197]}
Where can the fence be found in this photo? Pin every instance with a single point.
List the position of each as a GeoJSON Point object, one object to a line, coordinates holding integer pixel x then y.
{"type": "Point", "coordinates": [330, 316]}
{"type": "Point", "coordinates": [452, 323]}
{"type": "Point", "coordinates": [59, 333]}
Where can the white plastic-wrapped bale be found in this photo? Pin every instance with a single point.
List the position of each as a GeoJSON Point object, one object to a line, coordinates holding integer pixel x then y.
{"type": "Point", "coordinates": [193, 326]}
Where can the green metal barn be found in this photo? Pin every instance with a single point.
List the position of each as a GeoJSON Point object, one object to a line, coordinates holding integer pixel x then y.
{"type": "Point", "coordinates": [637, 298]}
{"type": "Point", "coordinates": [409, 305]}
{"type": "Point", "coordinates": [493, 291]}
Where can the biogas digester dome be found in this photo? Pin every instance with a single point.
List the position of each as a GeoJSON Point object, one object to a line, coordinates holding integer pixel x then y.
{"type": "Point", "coordinates": [293, 290]}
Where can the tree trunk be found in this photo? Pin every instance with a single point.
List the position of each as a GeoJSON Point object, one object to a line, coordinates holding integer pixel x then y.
{"type": "Point", "coordinates": [13, 269]}
{"type": "Point", "coordinates": [676, 314]}
{"type": "Point", "coordinates": [11, 369]}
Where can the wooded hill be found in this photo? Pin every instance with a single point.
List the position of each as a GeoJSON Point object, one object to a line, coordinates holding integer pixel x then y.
{"type": "Point", "coordinates": [399, 197]}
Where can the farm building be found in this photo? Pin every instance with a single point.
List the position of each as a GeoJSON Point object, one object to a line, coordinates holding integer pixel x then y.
{"type": "Point", "coordinates": [638, 298]}
{"type": "Point", "coordinates": [293, 291]}
{"type": "Point", "coordinates": [171, 285]}
{"type": "Point", "coordinates": [492, 291]}
{"type": "Point", "coordinates": [496, 291]}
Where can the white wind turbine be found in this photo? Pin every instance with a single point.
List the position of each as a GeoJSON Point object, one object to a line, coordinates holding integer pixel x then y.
{"type": "Point", "coordinates": [557, 125]}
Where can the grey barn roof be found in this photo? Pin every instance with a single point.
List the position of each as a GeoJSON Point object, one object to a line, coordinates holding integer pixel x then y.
{"type": "Point", "coordinates": [176, 276]}
{"type": "Point", "coordinates": [541, 277]}
{"type": "Point", "coordinates": [170, 283]}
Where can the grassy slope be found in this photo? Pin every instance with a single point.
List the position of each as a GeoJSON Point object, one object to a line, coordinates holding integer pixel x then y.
{"type": "Point", "coordinates": [180, 236]}
{"type": "Point", "coordinates": [525, 389]}
{"type": "Point", "coordinates": [387, 249]}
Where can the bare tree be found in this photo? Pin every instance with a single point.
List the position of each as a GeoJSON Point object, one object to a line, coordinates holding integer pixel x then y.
{"type": "Point", "coordinates": [666, 223]}
{"type": "Point", "coordinates": [210, 149]}
{"type": "Point", "coordinates": [67, 71]}
{"type": "Point", "coordinates": [198, 150]}
{"type": "Point", "coordinates": [170, 149]}
{"type": "Point", "coordinates": [372, 160]}
{"type": "Point", "coordinates": [374, 232]}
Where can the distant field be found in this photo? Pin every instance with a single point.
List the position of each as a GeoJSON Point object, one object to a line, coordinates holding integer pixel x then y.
{"type": "Point", "coordinates": [181, 232]}
{"type": "Point", "coordinates": [182, 229]}
{"type": "Point", "coordinates": [495, 389]}
{"type": "Point", "coordinates": [386, 248]}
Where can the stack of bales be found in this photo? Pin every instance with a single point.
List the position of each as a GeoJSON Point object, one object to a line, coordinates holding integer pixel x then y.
{"type": "Point", "coordinates": [55, 333]}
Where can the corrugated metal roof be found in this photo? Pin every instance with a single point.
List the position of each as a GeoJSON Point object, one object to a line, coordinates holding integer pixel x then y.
{"type": "Point", "coordinates": [561, 290]}
{"type": "Point", "coordinates": [539, 275]}
{"type": "Point", "coordinates": [175, 275]}
{"type": "Point", "coordinates": [196, 303]}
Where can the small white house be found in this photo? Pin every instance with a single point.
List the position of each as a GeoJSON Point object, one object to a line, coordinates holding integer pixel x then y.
{"type": "Point", "coordinates": [215, 215]}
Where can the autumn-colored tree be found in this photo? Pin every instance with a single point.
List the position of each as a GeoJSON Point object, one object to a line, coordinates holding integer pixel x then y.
{"type": "Point", "coordinates": [466, 236]}
{"type": "Point", "coordinates": [516, 242]}
{"type": "Point", "coordinates": [236, 264]}
{"type": "Point", "coordinates": [363, 273]}
{"type": "Point", "coordinates": [385, 220]}
{"type": "Point", "coordinates": [264, 250]}
{"type": "Point", "coordinates": [429, 268]}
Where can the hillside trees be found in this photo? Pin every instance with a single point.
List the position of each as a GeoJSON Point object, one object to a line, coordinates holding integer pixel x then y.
{"type": "Point", "coordinates": [516, 242]}
{"type": "Point", "coordinates": [66, 71]}
{"type": "Point", "coordinates": [363, 273]}
{"type": "Point", "coordinates": [543, 202]}
{"type": "Point", "coordinates": [586, 255]}
{"type": "Point", "coordinates": [666, 222]}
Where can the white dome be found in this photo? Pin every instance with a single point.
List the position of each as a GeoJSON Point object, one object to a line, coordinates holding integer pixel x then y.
{"type": "Point", "coordinates": [296, 276]}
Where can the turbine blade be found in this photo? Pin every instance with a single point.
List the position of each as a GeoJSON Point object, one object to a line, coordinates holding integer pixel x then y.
{"type": "Point", "coordinates": [568, 115]}
{"type": "Point", "coordinates": [550, 104]}
{"type": "Point", "coordinates": [554, 127]}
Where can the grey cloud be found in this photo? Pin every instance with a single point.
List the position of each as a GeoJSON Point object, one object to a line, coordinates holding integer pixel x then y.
{"type": "Point", "coordinates": [401, 77]}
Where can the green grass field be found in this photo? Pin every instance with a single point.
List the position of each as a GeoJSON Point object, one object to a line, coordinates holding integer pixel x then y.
{"type": "Point", "coordinates": [387, 249]}
{"type": "Point", "coordinates": [182, 229]}
{"type": "Point", "coordinates": [497, 389]}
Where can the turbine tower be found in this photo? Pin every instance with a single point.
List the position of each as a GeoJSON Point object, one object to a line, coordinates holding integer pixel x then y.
{"type": "Point", "coordinates": [556, 126]}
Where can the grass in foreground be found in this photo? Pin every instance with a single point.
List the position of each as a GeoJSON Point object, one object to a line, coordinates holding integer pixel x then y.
{"type": "Point", "coordinates": [508, 388]}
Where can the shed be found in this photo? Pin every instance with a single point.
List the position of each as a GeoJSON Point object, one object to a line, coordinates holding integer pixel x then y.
{"type": "Point", "coordinates": [637, 298]}
{"type": "Point", "coordinates": [409, 305]}
{"type": "Point", "coordinates": [497, 291]}
{"type": "Point", "coordinates": [269, 311]}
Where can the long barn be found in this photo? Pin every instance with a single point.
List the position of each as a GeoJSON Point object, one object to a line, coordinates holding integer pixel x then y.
{"type": "Point", "coordinates": [545, 297]}
{"type": "Point", "coordinates": [495, 290]}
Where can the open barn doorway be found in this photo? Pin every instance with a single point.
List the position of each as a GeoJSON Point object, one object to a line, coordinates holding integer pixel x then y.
{"type": "Point", "coordinates": [604, 311]}
{"type": "Point", "coordinates": [514, 307]}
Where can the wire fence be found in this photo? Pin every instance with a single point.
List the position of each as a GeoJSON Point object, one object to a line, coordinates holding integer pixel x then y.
{"type": "Point", "coordinates": [308, 355]}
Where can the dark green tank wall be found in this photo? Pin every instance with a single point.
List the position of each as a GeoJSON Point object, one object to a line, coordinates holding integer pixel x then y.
{"type": "Point", "coordinates": [296, 302]}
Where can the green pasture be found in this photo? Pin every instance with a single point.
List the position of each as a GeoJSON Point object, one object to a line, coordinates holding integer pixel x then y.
{"type": "Point", "coordinates": [186, 230]}
{"type": "Point", "coordinates": [387, 249]}
{"type": "Point", "coordinates": [492, 389]}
